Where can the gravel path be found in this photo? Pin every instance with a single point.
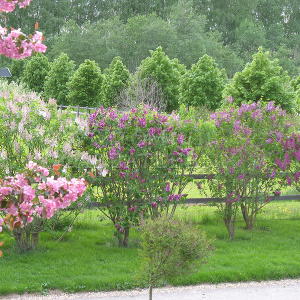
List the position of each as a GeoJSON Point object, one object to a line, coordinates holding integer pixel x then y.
{"type": "Point", "coordinates": [267, 290]}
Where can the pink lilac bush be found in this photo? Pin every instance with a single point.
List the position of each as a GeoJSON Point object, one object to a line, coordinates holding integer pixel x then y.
{"type": "Point", "coordinates": [145, 154]}
{"type": "Point", "coordinates": [14, 43]}
{"type": "Point", "coordinates": [10, 5]}
{"type": "Point", "coordinates": [32, 196]}
{"type": "Point", "coordinates": [244, 156]}
{"type": "Point", "coordinates": [34, 193]}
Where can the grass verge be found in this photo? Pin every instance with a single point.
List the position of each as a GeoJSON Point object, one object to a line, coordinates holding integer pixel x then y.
{"type": "Point", "coordinates": [89, 259]}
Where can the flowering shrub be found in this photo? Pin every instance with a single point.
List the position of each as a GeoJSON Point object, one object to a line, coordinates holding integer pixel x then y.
{"type": "Point", "coordinates": [288, 159]}
{"type": "Point", "coordinates": [10, 5]}
{"type": "Point", "coordinates": [32, 129]}
{"type": "Point", "coordinates": [14, 43]}
{"type": "Point", "coordinates": [243, 156]}
{"type": "Point", "coordinates": [34, 195]}
{"type": "Point", "coordinates": [145, 155]}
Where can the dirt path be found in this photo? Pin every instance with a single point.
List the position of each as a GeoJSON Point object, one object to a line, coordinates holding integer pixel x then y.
{"type": "Point", "coordinates": [267, 290]}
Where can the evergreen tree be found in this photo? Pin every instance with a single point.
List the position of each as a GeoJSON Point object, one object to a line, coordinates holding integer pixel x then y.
{"type": "Point", "coordinates": [85, 85]}
{"type": "Point", "coordinates": [60, 72]}
{"type": "Point", "coordinates": [161, 69]}
{"type": "Point", "coordinates": [203, 84]}
{"type": "Point", "coordinates": [35, 72]}
{"type": "Point", "coordinates": [116, 80]}
{"type": "Point", "coordinates": [262, 79]}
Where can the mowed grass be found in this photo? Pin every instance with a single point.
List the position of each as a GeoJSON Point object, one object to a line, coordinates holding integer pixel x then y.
{"type": "Point", "coordinates": [88, 258]}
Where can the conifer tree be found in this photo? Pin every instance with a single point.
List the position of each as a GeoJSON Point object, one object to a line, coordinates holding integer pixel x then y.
{"type": "Point", "coordinates": [85, 85]}
{"type": "Point", "coordinates": [203, 84]}
{"type": "Point", "coordinates": [116, 80]}
{"type": "Point", "coordinates": [161, 69]}
{"type": "Point", "coordinates": [262, 79]}
{"type": "Point", "coordinates": [35, 72]}
{"type": "Point", "coordinates": [61, 70]}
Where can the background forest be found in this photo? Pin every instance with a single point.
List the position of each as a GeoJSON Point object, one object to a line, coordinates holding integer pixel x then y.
{"type": "Point", "coordinates": [228, 30]}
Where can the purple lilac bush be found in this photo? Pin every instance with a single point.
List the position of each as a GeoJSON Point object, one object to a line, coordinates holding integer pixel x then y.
{"type": "Point", "coordinates": [146, 154]}
{"type": "Point", "coordinates": [248, 155]}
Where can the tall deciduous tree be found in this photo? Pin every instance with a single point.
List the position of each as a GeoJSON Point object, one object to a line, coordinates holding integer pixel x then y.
{"type": "Point", "coordinates": [35, 72]}
{"type": "Point", "coordinates": [85, 85]}
{"type": "Point", "coordinates": [262, 79]}
{"type": "Point", "coordinates": [203, 84]}
{"type": "Point", "coordinates": [61, 70]}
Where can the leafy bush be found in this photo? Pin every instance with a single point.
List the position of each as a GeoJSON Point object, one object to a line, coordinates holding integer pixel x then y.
{"type": "Point", "coordinates": [243, 156]}
{"type": "Point", "coordinates": [145, 154]}
{"type": "Point", "coordinates": [165, 72]}
{"type": "Point", "coordinates": [262, 80]}
{"type": "Point", "coordinates": [170, 248]}
{"type": "Point", "coordinates": [85, 85]}
{"type": "Point", "coordinates": [203, 84]}
{"type": "Point", "coordinates": [35, 71]}
{"type": "Point", "coordinates": [61, 70]}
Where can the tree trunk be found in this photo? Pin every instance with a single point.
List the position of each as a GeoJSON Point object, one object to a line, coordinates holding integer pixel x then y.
{"type": "Point", "coordinates": [126, 237]}
{"type": "Point", "coordinates": [26, 240]}
{"type": "Point", "coordinates": [248, 218]}
{"type": "Point", "coordinates": [229, 223]}
{"type": "Point", "coordinates": [150, 292]}
{"type": "Point", "coordinates": [123, 238]}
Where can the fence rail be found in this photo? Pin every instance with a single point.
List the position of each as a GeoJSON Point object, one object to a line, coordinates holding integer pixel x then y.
{"type": "Point", "coordinates": [78, 110]}
{"type": "Point", "coordinates": [215, 199]}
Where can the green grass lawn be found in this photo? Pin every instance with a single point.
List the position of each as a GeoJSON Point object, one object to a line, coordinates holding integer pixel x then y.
{"type": "Point", "coordinates": [88, 258]}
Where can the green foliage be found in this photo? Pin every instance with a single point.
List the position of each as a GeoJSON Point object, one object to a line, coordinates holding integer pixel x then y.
{"type": "Point", "coordinates": [230, 31]}
{"type": "Point", "coordinates": [296, 86]}
{"type": "Point", "coordinates": [35, 72]}
{"type": "Point", "coordinates": [191, 34]}
{"type": "Point", "coordinates": [203, 84]}
{"type": "Point", "coordinates": [262, 79]}
{"type": "Point", "coordinates": [16, 68]}
{"type": "Point", "coordinates": [249, 36]}
{"type": "Point", "coordinates": [85, 85]}
{"type": "Point", "coordinates": [61, 69]}
{"type": "Point", "coordinates": [116, 80]}
{"type": "Point", "coordinates": [160, 68]}
{"type": "Point", "coordinates": [296, 83]}
{"type": "Point", "coordinates": [170, 248]}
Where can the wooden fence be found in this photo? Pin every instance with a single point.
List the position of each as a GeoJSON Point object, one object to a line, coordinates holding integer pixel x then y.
{"type": "Point", "coordinates": [78, 110]}
{"type": "Point", "coordinates": [220, 200]}
{"type": "Point", "coordinates": [214, 200]}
